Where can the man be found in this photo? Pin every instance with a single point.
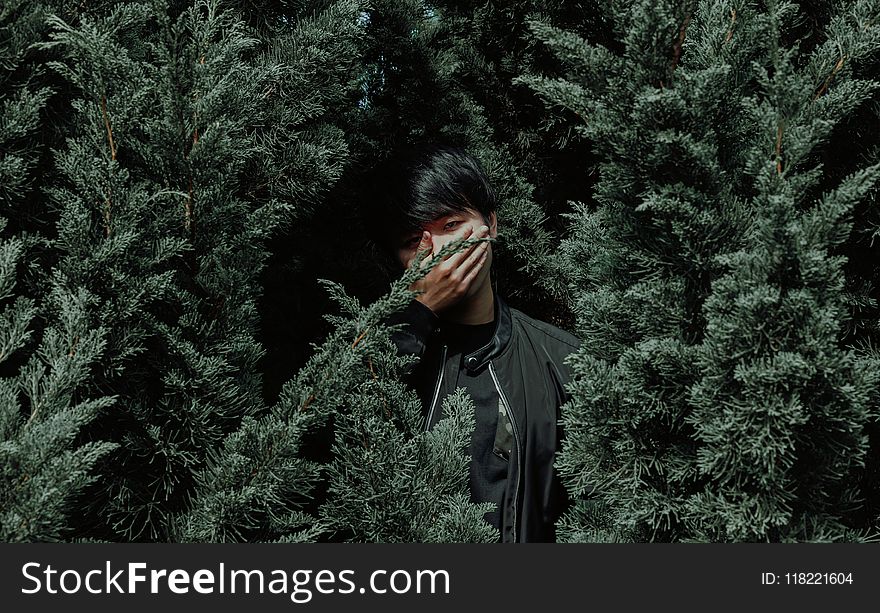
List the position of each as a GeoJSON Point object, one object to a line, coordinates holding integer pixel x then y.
{"type": "Point", "coordinates": [465, 335]}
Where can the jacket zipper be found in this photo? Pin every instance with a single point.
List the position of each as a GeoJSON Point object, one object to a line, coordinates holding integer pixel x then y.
{"type": "Point", "coordinates": [518, 448]}
{"type": "Point", "coordinates": [436, 390]}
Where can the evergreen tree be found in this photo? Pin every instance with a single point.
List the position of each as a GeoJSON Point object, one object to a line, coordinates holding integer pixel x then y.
{"type": "Point", "coordinates": [320, 45]}
{"type": "Point", "coordinates": [385, 481]}
{"type": "Point", "coordinates": [713, 398]}
{"type": "Point", "coordinates": [857, 137]}
{"type": "Point", "coordinates": [192, 144]}
{"type": "Point", "coordinates": [389, 480]}
{"type": "Point", "coordinates": [47, 343]}
{"type": "Point", "coordinates": [781, 304]}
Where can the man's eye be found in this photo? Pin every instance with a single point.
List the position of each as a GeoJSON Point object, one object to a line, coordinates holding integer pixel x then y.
{"type": "Point", "coordinates": [451, 225]}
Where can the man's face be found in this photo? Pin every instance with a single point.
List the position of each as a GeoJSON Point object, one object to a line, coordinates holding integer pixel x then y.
{"type": "Point", "coordinates": [446, 229]}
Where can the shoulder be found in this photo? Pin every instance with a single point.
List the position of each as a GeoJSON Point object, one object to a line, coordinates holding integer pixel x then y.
{"type": "Point", "coordinates": [548, 333]}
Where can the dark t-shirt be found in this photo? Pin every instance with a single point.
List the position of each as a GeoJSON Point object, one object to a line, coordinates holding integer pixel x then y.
{"type": "Point", "coordinates": [488, 468]}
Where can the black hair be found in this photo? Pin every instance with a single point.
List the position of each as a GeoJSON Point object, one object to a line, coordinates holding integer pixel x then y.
{"type": "Point", "coordinates": [420, 183]}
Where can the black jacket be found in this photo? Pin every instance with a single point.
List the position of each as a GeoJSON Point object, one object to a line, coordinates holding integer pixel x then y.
{"type": "Point", "coordinates": [526, 360]}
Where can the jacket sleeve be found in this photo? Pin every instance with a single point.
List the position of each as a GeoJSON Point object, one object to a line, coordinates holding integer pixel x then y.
{"type": "Point", "coordinates": [418, 322]}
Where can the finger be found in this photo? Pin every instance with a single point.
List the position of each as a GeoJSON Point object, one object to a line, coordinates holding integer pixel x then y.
{"type": "Point", "coordinates": [474, 258]}
{"type": "Point", "coordinates": [459, 258]}
{"type": "Point", "coordinates": [452, 257]}
{"type": "Point", "coordinates": [455, 259]}
{"type": "Point", "coordinates": [475, 270]}
{"type": "Point", "coordinates": [428, 242]}
{"type": "Point", "coordinates": [424, 251]}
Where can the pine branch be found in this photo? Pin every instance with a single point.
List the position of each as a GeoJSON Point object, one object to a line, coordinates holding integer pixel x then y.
{"type": "Point", "coordinates": [107, 125]}
{"type": "Point", "coordinates": [730, 29]}
{"type": "Point", "coordinates": [827, 82]}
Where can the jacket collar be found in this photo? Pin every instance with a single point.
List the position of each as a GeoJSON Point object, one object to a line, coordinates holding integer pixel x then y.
{"type": "Point", "coordinates": [476, 360]}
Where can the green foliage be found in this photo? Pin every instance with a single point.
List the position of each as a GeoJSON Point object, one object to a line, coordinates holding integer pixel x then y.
{"type": "Point", "coordinates": [192, 146]}
{"type": "Point", "coordinates": [47, 343]}
{"type": "Point", "coordinates": [713, 399]}
{"type": "Point", "coordinates": [385, 480]}
{"type": "Point", "coordinates": [42, 412]}
{"type": "Point", "coordinates": [21, 26]}
{"type": "Point", "coordinates": [174, 176]}
{"type": "Point", "coordinates": [392, 482]}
